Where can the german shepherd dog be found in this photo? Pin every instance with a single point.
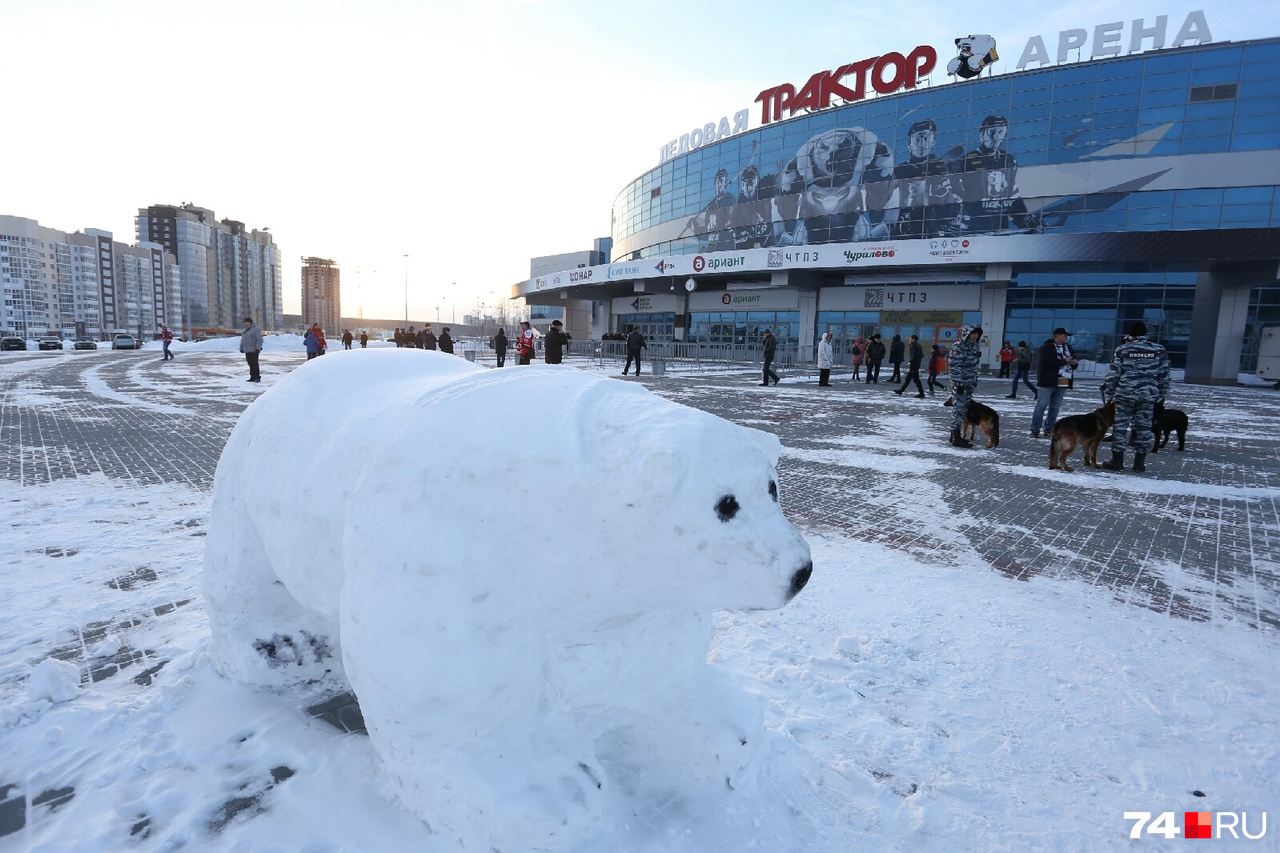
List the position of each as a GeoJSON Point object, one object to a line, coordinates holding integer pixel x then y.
{"type": "Point", "coordinates": [1087, 430]}
{"type": "Point", "coordinates": [979, 416]}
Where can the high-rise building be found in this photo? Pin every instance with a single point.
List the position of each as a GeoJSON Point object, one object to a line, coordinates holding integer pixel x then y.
{"type": "Point", "coordinates": [227, 271]}
{"type": "Point", "coordinates": [84, 283]}
{"type": "Point", "coordinates": [322, 294]}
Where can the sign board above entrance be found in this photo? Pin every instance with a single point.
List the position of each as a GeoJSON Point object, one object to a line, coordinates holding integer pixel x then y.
{"type": "Point", "coordinates": [885, 74]}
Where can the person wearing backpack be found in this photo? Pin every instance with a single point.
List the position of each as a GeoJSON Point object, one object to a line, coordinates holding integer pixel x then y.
{"type": "Point", "coordinates": [166, 336]}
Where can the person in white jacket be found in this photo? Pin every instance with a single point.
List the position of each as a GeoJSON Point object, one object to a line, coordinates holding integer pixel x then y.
{"type": "Point", "coordinates": [826, 358]}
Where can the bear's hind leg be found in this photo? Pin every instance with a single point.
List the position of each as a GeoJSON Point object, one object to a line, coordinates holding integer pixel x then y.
{"type": "Point", "coordinates": [260, 634]}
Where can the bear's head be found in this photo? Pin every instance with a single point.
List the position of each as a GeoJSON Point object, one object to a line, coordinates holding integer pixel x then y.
{"type": "Point", "coordinates": [691, 503]}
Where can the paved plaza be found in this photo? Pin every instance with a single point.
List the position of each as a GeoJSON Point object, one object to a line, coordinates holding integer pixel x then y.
{"type": "Point", "coordinates": [1197, 537]}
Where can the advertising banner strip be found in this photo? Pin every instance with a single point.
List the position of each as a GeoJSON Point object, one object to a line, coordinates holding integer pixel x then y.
{"type": "Point", "coordinates": [845, 258]}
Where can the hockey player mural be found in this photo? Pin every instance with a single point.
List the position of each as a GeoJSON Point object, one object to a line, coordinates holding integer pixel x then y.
{"type": "Point", "coordinates": [843, 186]}
{"type": "Point", "coordinates": [845, 183]}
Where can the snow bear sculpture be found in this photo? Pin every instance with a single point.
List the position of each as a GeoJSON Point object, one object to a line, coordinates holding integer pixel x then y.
{"type": "Point", "coordinates": [514, 570]}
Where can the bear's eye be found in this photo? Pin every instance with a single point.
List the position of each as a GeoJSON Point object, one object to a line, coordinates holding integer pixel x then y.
{"type": "Point", "coordinates": [727, 508]}
{"type": "Point", "coordinates": [773, 490]}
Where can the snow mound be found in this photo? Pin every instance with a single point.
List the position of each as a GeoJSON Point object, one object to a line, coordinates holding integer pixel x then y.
{"type": "Point", "coordinates": [54, 680]}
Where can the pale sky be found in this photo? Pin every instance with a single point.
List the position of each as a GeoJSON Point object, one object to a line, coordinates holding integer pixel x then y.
{"type": "Point", "coordinates": [470, 136]}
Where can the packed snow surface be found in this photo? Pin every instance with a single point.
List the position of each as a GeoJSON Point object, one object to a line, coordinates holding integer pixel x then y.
{"type": "Point", "coordinates": [907, 705]}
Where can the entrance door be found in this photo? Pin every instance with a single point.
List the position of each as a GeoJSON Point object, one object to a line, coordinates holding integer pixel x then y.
{"type": "Point", "coordinates": [843, 335]}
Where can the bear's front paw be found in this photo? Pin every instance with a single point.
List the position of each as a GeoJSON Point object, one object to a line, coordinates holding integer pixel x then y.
{"type": "Point", "coordinates": [561, 806]}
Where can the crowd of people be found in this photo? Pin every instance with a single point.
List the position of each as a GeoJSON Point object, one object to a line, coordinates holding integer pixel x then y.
{"type": "Point", "coordinates": [424, 338]}
{"type": "Point", "coordinates": [1137, 380]}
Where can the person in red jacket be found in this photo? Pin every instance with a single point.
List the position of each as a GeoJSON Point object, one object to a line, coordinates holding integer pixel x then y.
{"type": "Point", "coordinates": [166, 338]}
{"type": "Point", "coordinates": [1006, 359]}
{"type": "Point", "coordinates": [524, 344]}
{"type": "Point", "coordinates": [937, 361]}
{"type": "Point", "coordinates": [319, 333]}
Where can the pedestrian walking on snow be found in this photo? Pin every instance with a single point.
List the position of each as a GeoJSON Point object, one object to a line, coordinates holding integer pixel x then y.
{"type": "Point", "coordinates": [1023, 362]}
{"type": "Point", "coordinates": [897, 352]}
{"type": "Point", "coordinates": [913, 367]}
{"type": "Point", "coordinates": [769, 347]}
{"type": "Point", "coordinates": [936, 359]}
{"type": "Point", "coordinates": [166, 338]}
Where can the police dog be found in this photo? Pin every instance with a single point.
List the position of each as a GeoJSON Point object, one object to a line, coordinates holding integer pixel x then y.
{"type": "Point", "coordinates": [1165, 422]}
{"type": "Point", "coordinates": [1087, 430]}
{"type": "Point", "coordinates": [979, 416]}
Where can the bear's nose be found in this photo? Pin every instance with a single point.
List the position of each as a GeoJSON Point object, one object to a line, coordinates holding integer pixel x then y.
{"type": "Point", "coordinates": [799, 579]}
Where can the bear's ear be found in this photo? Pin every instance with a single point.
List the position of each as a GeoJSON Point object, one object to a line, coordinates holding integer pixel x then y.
{"type": "Point", "coordinates": [663, 471]}
{"type": "Point", "coordinates": [768, 443]}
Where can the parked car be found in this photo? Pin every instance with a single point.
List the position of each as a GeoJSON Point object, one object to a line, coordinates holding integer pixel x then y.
{"type": "Point", "coordinates": [85, 343]}
{"type": "Point", "coordinates": [49, 342]}
{"type": "Point", "coordinates": [12, 342]}
{"type": "Point", "coordinates": [124, 342]}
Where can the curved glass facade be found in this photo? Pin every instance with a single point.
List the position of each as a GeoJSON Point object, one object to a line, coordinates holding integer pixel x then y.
{"type": "Point", "coordinates": [1036, 152]}
{"type": "Point", "coordinates": [1089, 194]}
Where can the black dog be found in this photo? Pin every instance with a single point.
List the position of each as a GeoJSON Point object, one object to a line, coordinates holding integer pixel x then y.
{"type": "Point", "coordinates": [1165, 422]}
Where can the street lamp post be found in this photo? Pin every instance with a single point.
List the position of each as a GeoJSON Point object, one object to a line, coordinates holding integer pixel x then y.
{"type": "Point", "coordinates": [406, 290]}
